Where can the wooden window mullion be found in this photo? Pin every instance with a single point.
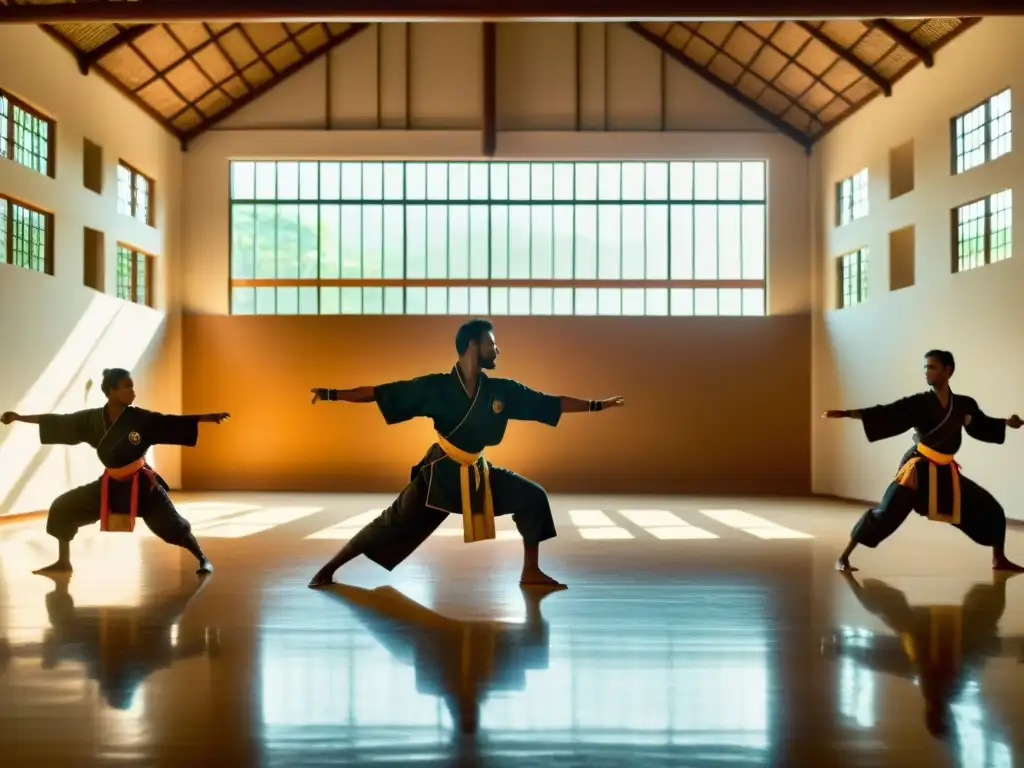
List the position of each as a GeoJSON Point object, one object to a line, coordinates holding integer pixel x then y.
{"type": "Point", "coordinates": [988, 231]}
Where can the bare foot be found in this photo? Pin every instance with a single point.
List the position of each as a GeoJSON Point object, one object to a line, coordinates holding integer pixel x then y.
{"type": "Point", "coordinates": [205, 567]}
{"type": "Point", "coordinates": [321, 580]}
{"type": "Point", "coordinates": [843, 565]}
{"type": "Point", "coordinates": [537, 578]}
{"type": "Point", "coordinates": [61, 566]}
{"type": "Point", "coordinates": [1005, 564]}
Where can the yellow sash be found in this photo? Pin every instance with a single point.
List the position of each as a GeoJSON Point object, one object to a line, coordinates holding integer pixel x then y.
{"type": "Point", "coordinates": [908, 478]}
{"type": "Point", "coordinates": [475, 527]}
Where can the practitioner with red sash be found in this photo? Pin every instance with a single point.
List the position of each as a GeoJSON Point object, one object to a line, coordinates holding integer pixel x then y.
{"type": "Point", "coordinates": [129, 488]}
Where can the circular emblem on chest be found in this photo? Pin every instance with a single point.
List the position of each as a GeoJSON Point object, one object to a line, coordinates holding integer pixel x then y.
{"type": "Point", "coordinates": [134, 438]}
{"type": "Point", "coordinates": [497, 406]}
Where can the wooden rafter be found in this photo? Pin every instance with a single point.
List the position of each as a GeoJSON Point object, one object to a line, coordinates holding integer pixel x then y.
{"type": "Point", "coordinates": [770, 117]}
{"type": "Point", "coordinates": [471, 10]}
{"type": "Point", "coordinates": [255, 93]}
{"type": "Point", "coordinates": [848, 56]}
{"type": "Point", "coordinates": [905, 40]}
{"type": "Point", "coordinates": [124, 36]}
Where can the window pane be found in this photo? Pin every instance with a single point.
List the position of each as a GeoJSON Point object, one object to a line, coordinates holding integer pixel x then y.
{"type": "Point", "coordinates": [309, 181]}
{"type": "Point", "coordinates": [730, 301]}
{"type": "Point", "coordinates": [309, 241]}
{"type": "Point", "coordinates": [437, 241]}
{"type": "Point", "coordinates": [330, 181]}
{"type": "Point", "coordinates": [478, 303]}
{"type": "Point", "coordinates": [394, 300]}
{"type": "Point", "coordinates": [458, 300]}
{"type": "Point", "coordinates": [682, 242]}
{"type": "Point", "coordinates": [609, 242]}
{"type": "Point", "coordinates": [609, 181]}
{"type": "Point", "coordinates": [681, 181]}
{"type": "Point", "coordinates": [586, 301]}
{"type": "Point", "coordinates": [586, 181]}
{"type": "Point", "coordinates": [330, 241]}
{"type": "Point", "coordinates": [541, 181]}
{"type": "Point", "coordinates": [564, 244]}
{"type": "Point", "coordinates": [479, 255]}
{"type": "Point", "coordinates": [519, 301]}
{"type": "Point", "coordinates": [373, 181]}
{"type": "Point", "coordinates": [243, 300]}
{"type": "Point", "coordinates": [243, 240]}
{"type": "Point", "coordinates": [266, 244]}
{"type": "Point", "coordinates": [656, 301]}
{"type": "Point", "coordinates": [416, 301]}
{"type": "Point", "coordinates": [633, 302]}
{"type": "Point", "coordinates": [705, 249]}
{"type": "Point", "coordinates": [266, 184]}
{"type": "Point", "coordinates": [656, 242]}
{"type": "Point", "coordinates": [753, 301]}
{"type": "Point", "coordinates": [499, 181]}
{"type": "Point", "coordinates": [562, 301]}
{"type": "Point", "coordinates": [705, 301]}
{"type": "Point", "coordinates": [753, 181]}
{"type": "Point", "coordinates": [287, 300]}
{"type": "Point", "coordinates": [458, 244]}
{"type": "Point", "coordinates": [373, 300]}
{"type": "Point", "coordinates": [542, 301]}
{"type": "Point", "coordinates": [351, 181]}
{"type": "Point", "coordinates": [373, 241]}
{"type": "Point", "coordinates": [609, 301]}
{"type": "Point", "coordinates": [351, 300]}
{"type": "Point", "coordinates": [752, 242]}
{"type": "Point", "coordinates": [458, 182]}
{"type": "Point", "coordinates": [266, 303]}
{"type": "Point", "coordinates": [729, 239]}
{"type": "Point", "coordinates": [499, 241]}
{"type": "Point", "coordinates": [729, 181]}
{"type": "Point", "coordinates": [394, 241]}
{"type": "Point", "coordinates": [705, 181]}
{"type": "Point", "coordinates": [656, 181]}
{"type": "Point", "coordinates": [394, 181]}
{"type": "Point", "coordinates": [478, 181]}
{"type": "Point", "coordinates": [519, 181]}
{"type": "Point", "coordinates": [518, 241]}
{"type": "Point", "coordinates": [499, 301]}
{"type": "Point", "coordinates": [351, 240]}
{"type": "Point", "coordinates": [633, 238]}
{"type": "Point", "coordinates": [681, 301]}
{"type": "Point", "coordinates": [308, 300]}
{"type": "Point", "coordinates": [287, 182]}
{"type": "Point", "coordinates": [330, 301]}
{"type": "Point", "coordinates": [416, 242]}
{"type": "Point", "coordinates": [633, 181]}
{"type": "Point", "coordinates": [586, 242]}
{"type": "Point", "coordinates": [416, 181]}
{"type": "Point", "coordinates": [243, 180]}
{"type": "Point", "coordinates": [565, 180]}
{"type": "Point", "coordinates": [437, 301]}
{"type": "Point", "coordinates": [541, 242]}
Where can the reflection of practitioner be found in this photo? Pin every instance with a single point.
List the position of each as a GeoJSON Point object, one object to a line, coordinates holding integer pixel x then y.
{"type": "Point", "coordinates": [941, 645]}
{"type": "Point", "coordinates": [120, 647]}
{"type": "Point", "coordinates": [929, 480]}
{"type": "Point", "coordinates": [121, 435]}
{"type": "Point", "coordinates": [470, 411]}
{"type": "Point", "coordinates": [458, 661]}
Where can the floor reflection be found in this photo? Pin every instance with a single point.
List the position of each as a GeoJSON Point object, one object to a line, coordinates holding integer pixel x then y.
{"type": "Point", "coordinates": [608, 674]}
{"type": "Point", "coordinates": [119, 647]}
{"type": "Point", "coordinates": [943, 650]}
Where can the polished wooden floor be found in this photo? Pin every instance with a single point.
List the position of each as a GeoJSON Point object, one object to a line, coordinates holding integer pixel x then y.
{"type": "Point", "coordinates": [696, 632]}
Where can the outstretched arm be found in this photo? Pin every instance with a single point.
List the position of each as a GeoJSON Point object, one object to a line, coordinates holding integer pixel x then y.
{"type": "Point", "coordinates": [882, 421]}
{"type": "Point", "coordinates": [55, 428]}
{"type": "Point", "coordinates": [9, 417]}
{"type": "Point", "coordinates": [357, 395]}
{"type": "Point", "coordinates": [525, 404]}
{"type": "Point", "coordinates": [398, 401]}
{"type": "Point", "coordinates": [987, 429]}
{"type": "Point", "coordinates": [575, 405]}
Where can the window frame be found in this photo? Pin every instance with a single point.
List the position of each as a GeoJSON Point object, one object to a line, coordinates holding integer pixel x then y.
{"type": "Point", "coordinates": [859, 288]}
{"type": "Point", "coordinates": [489, 202]}
{"type": "Point", "coordinates": [7, 251]}
{"type": "Point", "coordinates": [51, 130]}
{"type": "Point", "coordinates": [133, 282]}
{"type": "Point", "coordinates": [136, 174]}
{"type": "Point", "coordinates": [852, 180]}
{"type": "Point", "coordinates": [986, 123]}
{"type": "Point", "coordinates": [955, 265]}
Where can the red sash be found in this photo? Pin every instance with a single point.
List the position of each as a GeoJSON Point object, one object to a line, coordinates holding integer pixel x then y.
{"type": "Point", "coordinates": [115, 522]}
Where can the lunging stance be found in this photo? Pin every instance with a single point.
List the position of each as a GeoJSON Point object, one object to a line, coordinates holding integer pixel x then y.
{"type": "Point", "coordinates": [929, 480]}
{"type": "Point", "coordinates": [470, 411]}
{"type": "Point", "coordinates": [129, 488]}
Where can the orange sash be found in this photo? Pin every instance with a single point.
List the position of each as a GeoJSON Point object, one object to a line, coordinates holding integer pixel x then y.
{"type": "Point", "coordinates": [116, 522]}
{"type": "Point", "coordinates": [475, 527]}
{"type": "Point", "coordinates": [907, 477]}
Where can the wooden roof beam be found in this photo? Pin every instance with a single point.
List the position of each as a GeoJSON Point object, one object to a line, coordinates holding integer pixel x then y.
{"type": "Point", "coordinates": [768, 116]}
{"type": "Point", "coordinates": [904, 39]}
{"type": "Point", "coordinates": [152, 11]}
{"type": "Point", "coordinates": [255, 93]}
{"type": "Point", "coordinates": [848, 56]}
{"type": "Point", "coordinates": [89, 59]}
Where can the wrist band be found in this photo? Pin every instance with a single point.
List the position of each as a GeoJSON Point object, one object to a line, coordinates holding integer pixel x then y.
{"type": "Point", "coordinates": [327, 394]}
{"type": "Point", "coordinates": [596, 405]}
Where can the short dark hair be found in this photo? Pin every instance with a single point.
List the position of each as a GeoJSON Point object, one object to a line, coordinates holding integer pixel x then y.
{"type": "Point", "coordinates": [470, 331]}
{"type": "Point", "coordinates": [945, 358]}
{"type": "Point", "coordinates": [111, 378]}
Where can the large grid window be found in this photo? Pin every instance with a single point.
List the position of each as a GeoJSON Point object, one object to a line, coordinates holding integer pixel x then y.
{"type": "Point", "coordinates": [25, 135]}
{"type": "Point", "coordinates": [134, 193]}
{"type": "Point", "coordinates": [26, 236]}
{"type": "Point", "coordinates": [853, 278]}
{"type": "Point", "coordinates": [133, 276]}
{"type": "Point", "coordinates": [983, 230]}
{"type": "Point", "coordinates": [852, 198]}
{"type": "Point", "coordinates": [525, 238]}
{"type": "Point", "coordinates": [983, 133]}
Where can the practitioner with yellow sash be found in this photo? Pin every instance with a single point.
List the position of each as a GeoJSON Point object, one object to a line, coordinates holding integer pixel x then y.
{"type": "Point", "coordinates": [929, 480]}
{"type": "Point", "coordinates": [470, 411]}
{"type": "Point", "coordinates": [121, 434]}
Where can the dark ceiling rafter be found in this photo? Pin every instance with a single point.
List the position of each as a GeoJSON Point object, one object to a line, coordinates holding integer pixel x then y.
{"type": "Point", "coordinates": [848, 56]}
{"type": "Point", "coordinates": [149, 11]}
{"type": "Point", "coordinates": [283, 75]}
{"type": "Point", "coordinates": [781, 125]}
{"type": "Point", "coordinates": [124, 36]}
{"type": "Point", "coordinates": [904, 39]}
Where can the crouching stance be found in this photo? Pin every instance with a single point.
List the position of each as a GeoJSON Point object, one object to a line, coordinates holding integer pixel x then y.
{"type": "Point", "coordinates": [470, 411]}
{"type": "Point", "coordinates": [129, 488]}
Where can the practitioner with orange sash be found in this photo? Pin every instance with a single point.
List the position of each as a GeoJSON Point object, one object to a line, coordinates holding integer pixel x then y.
{"type": "Point", "coordinates": [129, 488]}
{"type": "Point", "coordinates": [929, 481]}
{"type": "Point", "coordinates": [471, 411]}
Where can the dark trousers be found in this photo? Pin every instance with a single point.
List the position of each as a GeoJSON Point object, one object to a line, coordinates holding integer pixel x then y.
{"type": "Point", "coordinates": [981, 516]}
{"type": "Point", "coordinates": [81, 506]}
{"type": "Point", "coordinates": [408, 522]}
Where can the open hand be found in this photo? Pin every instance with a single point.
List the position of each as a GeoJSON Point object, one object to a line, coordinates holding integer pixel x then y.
{"type": "Point", "coordinates": [1014, 422]}
{"type": "Point", "coordinates": [7, 417]}
{"type": "Point", "coordinates": [316, 396]}
{"type": "Point", "coordinates": [834, 415]}
{"type": "Point", "coordinates": [217, 418]}
{"type": "Point", "coordinates": [612, 402]}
